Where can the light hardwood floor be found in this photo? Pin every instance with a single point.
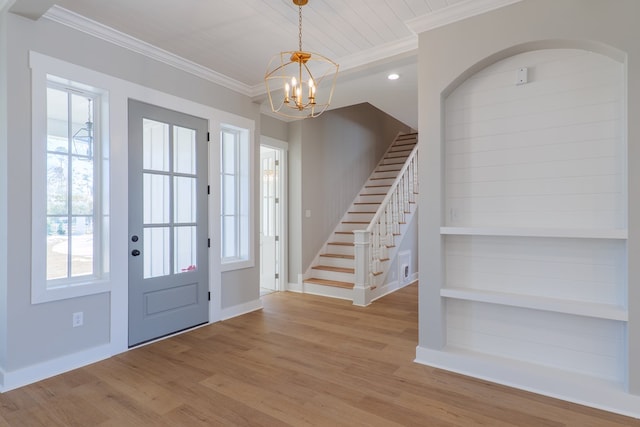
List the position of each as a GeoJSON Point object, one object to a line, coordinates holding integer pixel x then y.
{"type": "Point", "coordinates": [303, 360]}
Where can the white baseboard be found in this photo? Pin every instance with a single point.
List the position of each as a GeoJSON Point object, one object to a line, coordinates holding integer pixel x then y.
{"type": "Point", "coordinates": [577, 388]}
{"type": "Point", "coordinates": [31, 374]}
{"type": "Point", "coordinates": [240, 309]}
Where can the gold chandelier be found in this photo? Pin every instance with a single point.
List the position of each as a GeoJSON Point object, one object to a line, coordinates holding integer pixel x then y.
{"type": "Point", "coordinates": [302, 82]}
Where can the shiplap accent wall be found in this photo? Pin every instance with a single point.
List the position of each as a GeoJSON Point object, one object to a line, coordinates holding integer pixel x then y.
{"type": "Point", "coordinates": [535, 222]}
{"type": "Point", "coordinates": [543, 154]}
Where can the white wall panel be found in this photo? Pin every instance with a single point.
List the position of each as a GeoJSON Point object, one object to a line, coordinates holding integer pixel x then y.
{"type": "Point", "coordinates": [579, 344]}
{"type": "Point", "coordinates": [546, 153]}
{"type": "Point", "coordinates": [572, 269]}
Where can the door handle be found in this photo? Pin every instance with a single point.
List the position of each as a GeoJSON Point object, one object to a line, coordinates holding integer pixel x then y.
{"type": "Point", "coordinates": [135, 252]}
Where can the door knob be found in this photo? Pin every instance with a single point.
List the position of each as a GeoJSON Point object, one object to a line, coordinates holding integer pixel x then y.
{"type": "Point", "coordinates": [135, 252]}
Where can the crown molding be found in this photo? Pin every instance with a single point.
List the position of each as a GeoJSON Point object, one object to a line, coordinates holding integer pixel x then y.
{"type": "Point", "coordinates": [108, 34]}
{"type": "Point", "coordinates": [456, 12]}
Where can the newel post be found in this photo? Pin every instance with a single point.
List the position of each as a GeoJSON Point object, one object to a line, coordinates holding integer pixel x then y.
{"type": "Point", "coordinates": [361, 285]}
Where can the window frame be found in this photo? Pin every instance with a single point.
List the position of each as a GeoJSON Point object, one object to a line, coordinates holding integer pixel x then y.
{"type": "Point", "coordinates": [43, 289]}
{"type": "Point", "coordinates": [243, 232]}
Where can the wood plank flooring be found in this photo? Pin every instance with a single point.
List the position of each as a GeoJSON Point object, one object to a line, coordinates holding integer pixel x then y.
{"type": "Point", "coordinates": [302, 361]}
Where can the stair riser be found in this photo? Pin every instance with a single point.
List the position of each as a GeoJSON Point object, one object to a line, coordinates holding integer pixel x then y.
{"type": "Point", "coordinates": [385, 174]}
{"type": "Point", "coordinates": [368, 199]}
{"type": "Point", "coordinates": [384, 181]}
{"type": "Point", "coordinates": [342, 250]}
{"type": "Point", "coordinates": [359, 217]}
{"type": "Point", "coordinates": [339, 237]}
{"type": "Point", "coordinates": [351, 227]}
{"type": "Point", "coordinates": [384, 167]}
{"type": "Point", "coordinates": [397, 154]}
{"type": "Point", "coordinates": [333, 275]}
{"type": "Point", "coordinates": [367, 208]}
{"type": "Point", "coordinates": [328, 291]}
{"type": "Point", "coordinates": [337, 262]}
{"type": "Point", "coordinates": [400, 148]}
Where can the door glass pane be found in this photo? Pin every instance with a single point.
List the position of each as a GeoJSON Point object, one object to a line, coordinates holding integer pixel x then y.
{"type": "Point", "coordinates": [156, 253]}
{"type": "Point", "coordinates": [185, 249]}
{"type": "Point", "coordinates": [184, 199]}
{"type": "Point", "coordinates": [82, 246]}
{"type": "Point", "coordinates": [184, 150]}
{"type": "Point", "coordinates": [156, 199]}
{"type": "Point", "coordinates": [155, 145]}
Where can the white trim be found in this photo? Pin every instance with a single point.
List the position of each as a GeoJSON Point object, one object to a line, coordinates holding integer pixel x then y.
{"type": "Point", "coordinates": [240, 309]}
{"type": "Point", "coordinates": [294, 287]}
{"type": "Point", "coordinates": [60, 365]}
{"type": "Point", "coordinates": [456, 12]}
{"type": "Point", "coordinates": [556, 383]}
{"type": "Point", "coordinates": [108, 34]}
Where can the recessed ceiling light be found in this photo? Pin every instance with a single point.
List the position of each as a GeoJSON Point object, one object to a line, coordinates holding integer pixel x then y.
{"type": "Point", "coordinates": [393, 76]}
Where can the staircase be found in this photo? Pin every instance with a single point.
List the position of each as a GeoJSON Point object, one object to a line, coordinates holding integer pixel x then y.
{"type": "Point", "coordinates": [353, 262]}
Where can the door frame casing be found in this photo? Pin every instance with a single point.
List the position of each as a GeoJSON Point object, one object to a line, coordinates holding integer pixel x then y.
{"type": "Point", "coordinates": [283, 148]}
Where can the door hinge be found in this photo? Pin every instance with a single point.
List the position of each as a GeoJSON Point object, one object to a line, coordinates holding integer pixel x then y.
{"type": "Point", "coordinates": [277, 200]}
{"type": "Point", "coordinates": [277, 276]}
{"type": "Point", "coordinates": [208, 137]}
{"type": "Point", "coordinates": [277, 162]}
{"type": "Point", "coordinates": [208, 243]}
{"type": "Point", "coordinates": [277, 238]}
{"type": "Point", "coordinates": [208, 189]}
{"type": "Point", "coordinates": [209, 295]}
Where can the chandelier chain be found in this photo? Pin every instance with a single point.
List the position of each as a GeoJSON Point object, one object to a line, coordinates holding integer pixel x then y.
{"type": "Point", "coordinates": [300, 28]}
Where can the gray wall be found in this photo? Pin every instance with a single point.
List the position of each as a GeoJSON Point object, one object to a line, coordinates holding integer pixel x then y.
{"type": "Point", "coordinates": [453, 53]}
{"type": "Point", "coordinates": [274, 128]}
{"type": "Point", "coordinates": [41, 332]}
{"type": "Point", "coordinates": [337, 152]}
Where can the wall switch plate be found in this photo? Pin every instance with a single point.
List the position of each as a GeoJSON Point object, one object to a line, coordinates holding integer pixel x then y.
{"type": "Point", "coordinates": [523, 76]}
{"type": "Point", "coordinates": [78, 319]}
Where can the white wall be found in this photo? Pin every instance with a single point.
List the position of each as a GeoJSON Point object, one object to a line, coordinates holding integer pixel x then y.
{"type": "Point", "coordinates": [447, 58]}
{"type": "Point", "coordinates": [3, 190]}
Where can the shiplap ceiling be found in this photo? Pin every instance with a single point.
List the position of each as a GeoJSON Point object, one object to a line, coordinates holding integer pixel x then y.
{"type": "Point", "coordinates": [236, 38]}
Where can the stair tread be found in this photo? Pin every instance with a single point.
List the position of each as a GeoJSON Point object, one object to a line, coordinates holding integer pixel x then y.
{"type": "Point", "coordinates": [377, 186]}
{"type": "Point", "coordinates": [363, 212]}
{"type": "Point", "coordinates": [341, 256]}
{"type": "Point", "coordinates": [355, 222]}
{"type": "Point", "coordinates": [374, 194]}
{"type": "Point", "coordinates": [384, 177]}
{"type": "Point", "coordinates": [366, 203]}
{"type": "Point", "coordinates": [341, 243]}
{"type": "Point", "coordinates": [343, 232]}
{"type": "Point", "coordinates": [326, 282]}
{"type": "Point", "coordinates": [334, 269]}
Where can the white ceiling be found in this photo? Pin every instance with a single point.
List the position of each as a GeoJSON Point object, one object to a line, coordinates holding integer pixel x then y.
{"type": "Point", "coordinates": [234, 39]}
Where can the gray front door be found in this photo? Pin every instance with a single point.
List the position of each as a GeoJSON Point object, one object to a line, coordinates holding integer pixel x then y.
{"type": "Point", "coordinates": [168, 266]}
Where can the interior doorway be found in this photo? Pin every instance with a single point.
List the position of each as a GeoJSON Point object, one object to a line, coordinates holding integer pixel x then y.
{"type": "Point", "coordinates": [272, 215]}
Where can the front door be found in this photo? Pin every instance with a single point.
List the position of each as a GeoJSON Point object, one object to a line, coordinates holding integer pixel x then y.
{"type": "Point", "coordinates": [168, 270]}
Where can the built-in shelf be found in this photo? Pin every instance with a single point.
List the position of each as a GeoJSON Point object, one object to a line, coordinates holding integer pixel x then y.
{"type": "Point", "coordinates": [620, 234]}
{"type": "Point", "coordinates": [580, 308]}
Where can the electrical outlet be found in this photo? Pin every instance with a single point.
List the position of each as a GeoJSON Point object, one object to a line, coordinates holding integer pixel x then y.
{"type": "Point", "coordinates": [78, 319]}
